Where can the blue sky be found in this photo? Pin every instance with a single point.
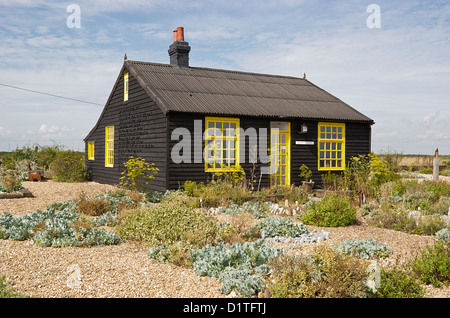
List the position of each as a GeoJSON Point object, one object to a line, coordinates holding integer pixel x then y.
{"type": "Point", "coordinates": [398, 74]}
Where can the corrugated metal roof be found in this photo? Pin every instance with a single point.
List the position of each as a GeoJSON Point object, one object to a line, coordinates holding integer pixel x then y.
{"type": "Point", "coordinates": [214, 91]}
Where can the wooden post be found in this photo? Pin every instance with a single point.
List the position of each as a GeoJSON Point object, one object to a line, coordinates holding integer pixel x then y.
{"type": "Point", "coordinates": [436, 165]}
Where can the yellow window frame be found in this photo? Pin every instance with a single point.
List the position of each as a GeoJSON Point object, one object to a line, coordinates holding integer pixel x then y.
{"type": "Point", "coordinates": [109, 146]}
{"type": "Point", "coordinates": [91, 150]}
{"type": "Point", "coordinates": [331, 146]}
{"type": "Point", "coordinates": [222, 144]}
{"type": "Point", "coordinates": [283, 168]}
{"type": "Point", "coordinates": [125, 87]}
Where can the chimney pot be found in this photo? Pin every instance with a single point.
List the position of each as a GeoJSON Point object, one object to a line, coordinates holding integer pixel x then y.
{"type": "Point", "coordinates": [180, 34]}
{"type": "Point", "coordinates": [175, 35]}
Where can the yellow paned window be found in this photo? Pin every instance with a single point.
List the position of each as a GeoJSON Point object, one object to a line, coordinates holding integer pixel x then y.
{"type": "Point", "coordinates": [125, 87]}
{"type": "Point", "coordinates": [221, 143]}
{"type": "Point", "coordinates": [331, 146]}
{"type": "Point", "coordinates": [91, 152]}
{"type": "Point", "coordinates": [109, 146]}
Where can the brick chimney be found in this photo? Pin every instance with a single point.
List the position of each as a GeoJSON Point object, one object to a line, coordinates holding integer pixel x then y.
{"type": "Point", "coordinates": [179, 49]}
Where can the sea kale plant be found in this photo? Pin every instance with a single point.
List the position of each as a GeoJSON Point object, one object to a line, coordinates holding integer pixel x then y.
{"type": "Point", "coordinates": [364, 249]}
{"type": "Point", "coordinates": [241, 267]}
{"type": "Point", "coordinates": [444, 235]}
{"type": "Point", "coordinates": [59, 225]}
{"type": "Point", "coordinates": [280, 226]}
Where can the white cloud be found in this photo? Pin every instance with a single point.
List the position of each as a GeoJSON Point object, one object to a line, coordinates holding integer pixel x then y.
{"type": "Point", "coordinates": [4, 132]}
{"type": "Point", "coordinates": [428, 119]}
{"type": "Point", "coordinates": [53, 130]}
{"type": "Point", "coordinates": [435, 135]}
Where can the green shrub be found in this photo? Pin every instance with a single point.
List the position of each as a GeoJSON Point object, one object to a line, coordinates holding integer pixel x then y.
{"type": "Point", "coordinates": [430, 197]}
{"type": "Point", "coordinates": [232, 174]}
{"type": "Point", "coordinates": [396, 283]}
{"type": "Point", "coordinates": [400, 186]}
{"type": "Point", "coordinates": [100, 204]}
{"type": "Point", "coordinates": [432, 266]}
{"type": "Point", "coordinates": [324, 273]}
{"type": "Point", "coordinates": [364, 249]}
{"type": "Point", "coordinates": [399, 219]}
{"type": "Point", "coordinates": [64, 165]}
{"type": "Point", "coordinates": [445, 172]}
{"type": "Point", "coordinates": [439, 189]}
{"type": "Point", "coordinates": [426, 170]}
{"type": "Point", "coordinates": [177, 253]}
{"type": "Point", "coordinates": [10, 182]}
{"type": "Point", "coordinates": [441, 206]}
{"type": "Point", "coordinates": [19, 154]}
{"type": "Point", "coordinates": [189, 187]}
{"type": "Point", "coordinates": [217, 193]}
{"type": "Point", "coordinates": [240, 229]}
{"type": "Point", "coordinates": [280, 226]}
{"type": "Point", "coordinates": [332, 211]}
{"type": "Point", "coordinates": [169, 223]}
{"type": "Point", "coordinates": [68, 166]}
{"type": "Point", "coordinates": [45, 155]}
{"type": "Point", "coordinates": [297, 194]}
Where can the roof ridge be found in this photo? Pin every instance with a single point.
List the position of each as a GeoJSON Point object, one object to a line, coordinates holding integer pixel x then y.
{"type": "Point", "coordinates": [220, 70]}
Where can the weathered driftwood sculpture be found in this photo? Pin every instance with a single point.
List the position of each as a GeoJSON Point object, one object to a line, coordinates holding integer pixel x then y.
{"type": "Point", "coordinates": [436, 165]}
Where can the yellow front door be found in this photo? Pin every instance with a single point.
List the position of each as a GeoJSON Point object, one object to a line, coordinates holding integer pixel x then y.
{"type": "Point", "coordinates": [280, 154]}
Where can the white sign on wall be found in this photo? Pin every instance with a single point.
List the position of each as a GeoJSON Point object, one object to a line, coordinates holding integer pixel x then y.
{"type": "Point", "coordinates": [304, 142]}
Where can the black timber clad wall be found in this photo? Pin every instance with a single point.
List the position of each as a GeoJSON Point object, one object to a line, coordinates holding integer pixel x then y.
{"type": "Point", "coordinates": [180, 172]}
{"type": "Point", "coordinates": [357, 142]}
{"type": "Point", "coordinates": [303, 154]}
{"type": "Point", "coordinates": [140, 130]}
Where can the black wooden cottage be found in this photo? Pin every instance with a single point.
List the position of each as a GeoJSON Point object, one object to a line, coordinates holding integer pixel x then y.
{"type": "Point", "coordinates": [193, 121]}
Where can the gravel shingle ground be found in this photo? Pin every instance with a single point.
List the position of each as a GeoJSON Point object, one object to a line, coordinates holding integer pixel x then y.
{"type": "Point", "coordinates": [125, 270]}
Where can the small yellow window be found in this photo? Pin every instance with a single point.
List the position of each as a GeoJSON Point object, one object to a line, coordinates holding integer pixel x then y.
{"type": "Point", "coordinates": [125, 87]}
{"type": "Point", "coordinates": [331, 146]}
{"type": "Point", "coordinates": [109, 146]}
{"type": "Point", "coordinates": [222, 144]}
{"type": "Point", "coordinates": [91, 150]}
